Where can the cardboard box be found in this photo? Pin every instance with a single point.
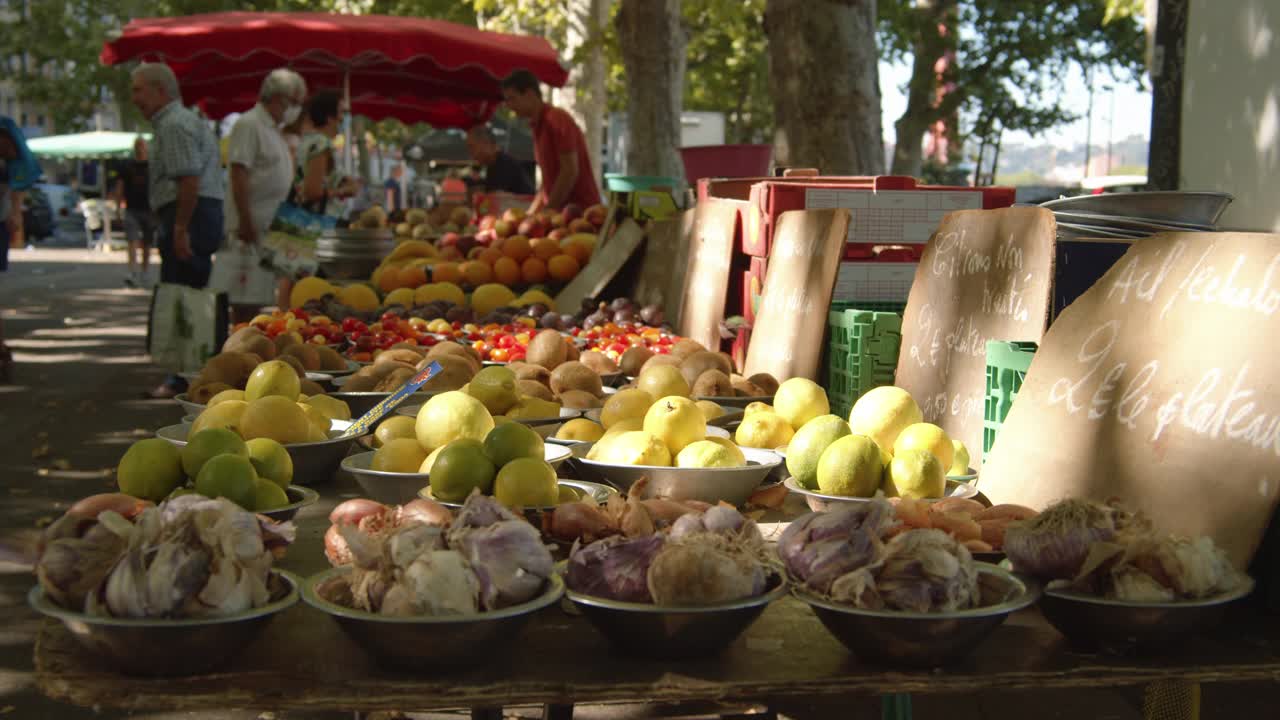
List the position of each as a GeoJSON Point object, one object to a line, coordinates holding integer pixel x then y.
{"type": "Point", "coordinates": [887, 210]}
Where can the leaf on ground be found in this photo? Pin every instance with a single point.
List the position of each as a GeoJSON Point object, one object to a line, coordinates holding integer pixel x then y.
{"type": "Point", "coordinates": [43, 472]}
{"type": "Point", "coordinates": [40, 451]}
{"type": "Point", "coordinates": [62, 464]}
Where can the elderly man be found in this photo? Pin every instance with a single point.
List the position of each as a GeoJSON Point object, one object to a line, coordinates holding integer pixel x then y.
{"type": "Point", "coordinates": [558, 145]}
{"type": "Point", "coordinates": [261, 176]}
{"type": "Point", "coordinates": [502, 173]}
{"type": "Point", "coordinates": [186, 186]}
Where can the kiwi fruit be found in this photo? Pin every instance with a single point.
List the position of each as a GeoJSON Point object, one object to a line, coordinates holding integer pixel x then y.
{"type": "Point", "coordinates": [201, 394]}
{"type": "Point", "coordinates": [657, 360]}
{"type": "Point", "coordinates": [251, 340]}
{"type": "Point", "coordinates": [574, 375]}
{"type": "Point", "coordinates": [306, 354]}
{"type": "Point", "coordinates": [408, 357]}
{"type": "Point", "coordinates": [633, 359]}
{"type": "Point", "coordinates": [571, 352]}
{"type": "Point", "coordinates": [533, 388]}
{"type": "Point", "coordinates": [547, 349]}
{"type": "Point", "coordinates": [230, 368]}
{"type": "Point", "coordinates": [361, 383]}
{"type": "Point", "coordinates": [766, 382]}
{"type": "Point", "coordinates": [454, 372]}
{"type": "Point", "coordinates": [745, 388]}
{"type": "Point", "coordinates": [293, 362]}
{"type": "Point", "coordinates": [712, 383]}
{"type": "Point", "coordinates": [696, 364]}
{"type": "Point", "coordinates": [330, 359]}
{"type": "Point", "coordinates": [415, 349]}
{"type": "Point", "coordinates": [536, 373]}
{"type": "Point", "coordinates": [579, 400]}
{"type": "Point", "coordinates": [310, 387]}
{"type": "Point", "coordinates": [598, 361]}
{"type": "Point", "coordinates": [395, 379]}
{"type": "Point", "coordinates": [457, 350]}
{"type": "Point", "coordinates": [286, 340]}
{"type": "Point", "coordinates": [686, 347]}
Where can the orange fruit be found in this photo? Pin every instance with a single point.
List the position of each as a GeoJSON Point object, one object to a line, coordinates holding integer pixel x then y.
{"type": "Point", "coordinates": [489, 256]}
{"type": "Point", "coordinates": [446, 272]}
{"type": "Point", "coordinates": [506, 271]}
{"type": "Point", "coordinates": [452, 254]}
{"type": "Point", "coordinates": [389, 279]}
{"type": "Point", "coordinates": [517, 248]}
{"type": "Point", "coordinates": [579, 251]}
{"type": "Point", "coordinates": [545, 248]}
{"type": "Point", "coordinates": [533, 270]}
{"type": "Point", "coordinates": [413, 277]}
{"type": "Point", "coordinates": [474, 253]}
{"type": "Point", "coordinates": [563, 267]}
{"type": "Point", "coordinates": [476, 272]}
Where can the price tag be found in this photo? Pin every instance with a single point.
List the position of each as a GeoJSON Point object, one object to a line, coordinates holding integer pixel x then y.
{"type": "Point", "coordinates": [364, 424]}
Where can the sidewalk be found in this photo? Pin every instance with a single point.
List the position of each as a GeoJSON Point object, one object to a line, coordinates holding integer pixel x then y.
{"type": "Point", "coordinates": [78, 336]}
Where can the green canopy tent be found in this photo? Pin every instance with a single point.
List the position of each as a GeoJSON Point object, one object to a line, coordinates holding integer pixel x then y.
{"type": "Point", "coordinates": [100, 145]}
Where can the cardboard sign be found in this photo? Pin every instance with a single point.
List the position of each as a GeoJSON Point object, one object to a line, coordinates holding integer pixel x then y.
{"type": "Point", "coordinates": [787, 338]}
{"type": "Point", "coordinates": [1158, 386]}
{"type": "Point", "coordinates": [985, 275]}
{"type": "Point", "coordinates": [715, 228]}
{"type": "Point", "coordinates": [605, 263]}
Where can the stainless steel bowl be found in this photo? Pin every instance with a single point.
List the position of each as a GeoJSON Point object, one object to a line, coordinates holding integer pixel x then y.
{"type": "Point", "coordinates": [713, 485]}
{"type": "Point", "coordinates": [313, 462]}
{"type": "Point", "coordinates": [586, 491]}
{"type": "Point", "coordinates": [391, 488]}
{"type": "Point", "coordinates": [1195, 208]}
{"type": "Point", "coordinates": [925, 640]}
{"type": "Point", "coordinates": [546, 427]}
{"type": "Point", "coordinates": [819, 502]}
{"type": "Point", "coordinates": [1092, 623]}
{"type": "Point", "coordinates": [731, 416]}
{"type": "Point", "coordinates": [352, 366]}
{"type": "Point", "coordinates": [669, 633]}
{"type": "Point", "coordinates": [299, 497]}
{"type": "Point", "coordinates": [352, 253]}
{"type": "Point", "coordinates": [362, 402]}
{"type": "Point", "coordinates": [169, 647]}
{"type": "Point", "coordinates": [190, 408]}
{"type": "Point", "coordinates": [437, 643]}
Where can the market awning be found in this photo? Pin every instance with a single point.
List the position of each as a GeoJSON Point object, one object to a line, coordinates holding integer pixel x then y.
{"type": "Point", "coordinates": [100, 145]}
{"type": "Point", "coordinates": [453, 71]}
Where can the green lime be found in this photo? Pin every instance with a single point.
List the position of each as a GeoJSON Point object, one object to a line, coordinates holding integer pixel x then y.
{"type": "Point", "coordinates": [461, 467]}
{"type": "Point", "coordinates": [268, 496]}
{"type": "Point", "coordinates": [206, 444]}
{"type": "Point", "coordinates": [511, 441]}
{"type": "Point", "coordinates": [231, 477]}
{"type": "Point", "coordinates": [527, 483]}
{"type": "Point", "coordinates": [271, 461]}
{"type": "Point", "coordinates": [150, 469]}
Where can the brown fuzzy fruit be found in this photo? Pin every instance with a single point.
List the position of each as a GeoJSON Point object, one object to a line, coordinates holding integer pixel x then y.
{"type": "Point", "coordinates": [580, 400]}
{"type": "Point", "coordinates": [598, 361]}
{"type": "Point", "coordinates": [454, 373]}
{"type": "Point", "coordinates": [330, 359]}
{"type": "Point", "coordinates": [306, 354]}
{"type": "Point", "coordinates": [286, 340]}
{"type": "Point", "coordinates": [686, 347]}
{"type": "Point", "coordinates": [547, 349]}
{"type": "Point", "coordinates": [693, 366]}
{"type": "Point", "coordinates": [766, 382]}
{"type": "Point", "coordinates": [745, 388]}
{"type": "Point", "coordinates": [533, 388]}
{"type": "Point", "coordinates": [395, 379]}
{"type": "Point", "coordinates": [201, 394]}
{"type": "Point", "coordinates": [251, 340]}
{"type": "Point", "coordinates": [415, 349]}
{"type": "Point", "coordinates": [293, 362]}
{"type": "Point", "coordinates": [712, 383]}
{"type": "Point", "coordinates": [634, 359]}
{"type": "Point", "coordinates": [408, 357]}
{"type": "Point", "coordinates": [456, 350]}
{"type": "Point", "coordinates": [571, 351]}
{"type": "Point", "coordinates": [573, 375]}
{"type": "Point", "coordinates": [230, 368]}
{"type": "Point", "coordinates": [536, 373]}
{"type": "Point", "coordinates": [657, 360]}
{"type": "Point", "coordinates": [310, 387]}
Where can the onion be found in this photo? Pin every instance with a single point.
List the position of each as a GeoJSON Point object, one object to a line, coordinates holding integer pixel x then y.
{"type": "Point", "coordinates": [428, 512]}
{"type": "Point", "coordinates": [353, 511]}
{"type": "Point", "coordinates": [1054, 544]}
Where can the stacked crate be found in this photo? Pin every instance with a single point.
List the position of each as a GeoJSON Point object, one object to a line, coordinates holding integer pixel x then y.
{"type": "Point", "coordinates": [1007, 364]}
{"type": "Point", "coordinates": [862, 353]}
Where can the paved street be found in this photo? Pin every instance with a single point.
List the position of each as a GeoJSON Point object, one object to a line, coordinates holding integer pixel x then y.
{"type": "Point", "coordinates": [76, 403]}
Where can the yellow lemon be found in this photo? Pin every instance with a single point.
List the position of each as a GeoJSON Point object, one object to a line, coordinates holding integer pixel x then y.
{"type": "Point", "coordinates": [926, 436]}
{"type": "Point", "coordinates": [884, 412]}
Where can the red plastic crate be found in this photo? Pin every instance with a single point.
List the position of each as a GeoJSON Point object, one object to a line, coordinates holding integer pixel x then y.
{"type": "Point", "coordinates": [893, 210]}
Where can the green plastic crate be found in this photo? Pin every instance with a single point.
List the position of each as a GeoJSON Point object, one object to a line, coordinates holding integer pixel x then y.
{"type": "Point", "coordinates": [862, 353]}
{"type": "Point", "coordinates": [1007, 364]}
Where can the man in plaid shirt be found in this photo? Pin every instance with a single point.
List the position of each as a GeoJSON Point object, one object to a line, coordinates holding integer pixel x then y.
{"type": "Point", "coordinates": [186, 185]}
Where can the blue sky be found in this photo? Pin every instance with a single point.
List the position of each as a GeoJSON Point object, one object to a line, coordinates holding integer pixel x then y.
{"type": "Point", "coordinates": [1132, 109]}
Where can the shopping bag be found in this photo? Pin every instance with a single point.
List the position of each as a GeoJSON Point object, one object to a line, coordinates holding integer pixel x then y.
{"type": "Point", "coordinates": [186, 327]}
{"type": "Point", "coordinates": [238, 271]}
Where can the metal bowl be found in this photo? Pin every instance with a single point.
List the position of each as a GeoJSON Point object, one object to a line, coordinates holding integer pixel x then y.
{"type": "Point", "coordinates": [1193, 208]}
{"type": "Point", "coordinates": [546, 427]}
{"type": "Point", "coordinates": [362, 402]}
{"type": "Point", "coordinates": [435, 643]}
{"type": "Point", "coordinates": [669, 633]}
{"type": "Point", "coordinates": [730, 416]}
{"type": "Point", "coordinates": [1092, 623]}
{"type": "Point", "coordinates": [585, 490]}
{"type": "Point", "coordinates": [352, 366]}
{"type": "Point", "coordinates": [713, 485]}
{"type": "Point", "coordinates": [391, 488]}
{"type": "Point", "coordinates": [925, 640]}
{"type": "Point", "coordinates": [819, 502]}
{"type": "Point", "coordinates": [299, 497]}
{"type": "Point", "coordinates": [736, 402]}
{"type": "Point", "coordinates": [191, 408]}
{"type": "Point", "coordinates": [166, 647]}
{"type": "Point", "coordinates": [313, 462]}
{"type": "Point", "coordinates": [1126, 223]}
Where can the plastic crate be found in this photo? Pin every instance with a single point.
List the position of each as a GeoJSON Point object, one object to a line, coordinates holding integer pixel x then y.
{"type": "Point", "coordinates": [862, 353]}
{"type": "Point", "coordinates": [1007, 364]}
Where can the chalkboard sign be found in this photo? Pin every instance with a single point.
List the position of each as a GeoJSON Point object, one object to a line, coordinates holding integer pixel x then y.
{"type": "Point", "coordinates": [787, 338]}
{"type": "Point", "coordinates": [1159, 386]}
{"type": "Point", "coordinates": [715, 230]}
{"type": "Point", "coordinates": [985, 275]}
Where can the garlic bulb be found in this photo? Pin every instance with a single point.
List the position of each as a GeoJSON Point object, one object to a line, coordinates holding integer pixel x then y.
{"type": "Point", "coordinates": [1055, 543]}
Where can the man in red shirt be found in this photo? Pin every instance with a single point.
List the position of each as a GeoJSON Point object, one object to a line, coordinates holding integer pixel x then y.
{"type": "Point", "coordinates": [558, 146]}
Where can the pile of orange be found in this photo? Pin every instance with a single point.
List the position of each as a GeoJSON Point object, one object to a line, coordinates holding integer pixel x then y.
{"type": "Point", "coordinates": [516, 260]}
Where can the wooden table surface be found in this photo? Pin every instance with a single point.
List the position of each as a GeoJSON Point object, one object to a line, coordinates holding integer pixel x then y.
{"type": "Point", "coordinates": [303, 660]}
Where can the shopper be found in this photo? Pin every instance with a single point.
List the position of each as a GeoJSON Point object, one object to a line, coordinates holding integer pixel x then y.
{"type": "Point", "coordinates": [320, 187]}
{"type": "Point", "coordinates": [130, 192]}
{"type": "Point", "coordinates": [558, 146]}
{"type": "Point", "coordinates": [261, 175]}
{"type": "Point", "coordinates": [394, 189]}
{"type": "Point", "coordinates": [186, 186]}
{"type": "Point", "coordinates": [18, 172]}
{"type": "Point", "coordinates": [502, 173]}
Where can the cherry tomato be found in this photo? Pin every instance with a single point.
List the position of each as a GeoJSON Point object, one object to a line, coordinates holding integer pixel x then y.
{"type": "Point", "coordinates": [500, 355]}
{"type": "Point", "coordinates": [384, 341]}
{"type": "Point", "coordinates": [515, 354]}
{"type": "Point", "coordinates": [389, 318]}
{"type": "Point", "coordinates": [481, 347]}
{"type": "Point", "coordinates": [456, 325]}
{"type": "Point", "coordinates": [362, 357]}
{"type": "Point", "coordinates": [505, 341]}
{"type": "Point", "coordinates": [411, 340]}
{"type": "Point", "coordinates": [365, 343]}
{"type": "Point", "coordinates": [427, 340]}
{"type": "Point", "coordinates": [350, 324]}
{"type": "Point", "coordinates": [301, 314]}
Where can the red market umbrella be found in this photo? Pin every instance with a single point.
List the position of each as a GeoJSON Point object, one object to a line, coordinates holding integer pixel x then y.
{"type": "Point", "coordinates": [420, 69]}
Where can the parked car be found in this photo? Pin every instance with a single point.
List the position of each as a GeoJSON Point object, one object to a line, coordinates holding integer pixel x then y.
{"type": "Point", "coordinates": [67, 221]}
{"type": "Point", "coordinates": [37, 216]}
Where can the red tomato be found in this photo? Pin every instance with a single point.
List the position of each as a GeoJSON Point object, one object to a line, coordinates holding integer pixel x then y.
{"type": "Point", "coordinates": [481, 347]}
{"type": "Point", "coordinates": [457, 325]}
{"type": "Point", "coordinates": [385, 340]}
{"type": "Point", "coordinates": [301, 314]}
{"type": "Point", "coordinates": [427, 340]}
{"type": "Point", "coordinates": [506, 341]}
{"type": "Point", "coordinates": [500, 355]}
{"type": "Point", "coordinates": [389, 318]}
{"type": "Point", "coordinates": [350, 324]}
{"type": "Point", "coordinates": [515, 354]}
